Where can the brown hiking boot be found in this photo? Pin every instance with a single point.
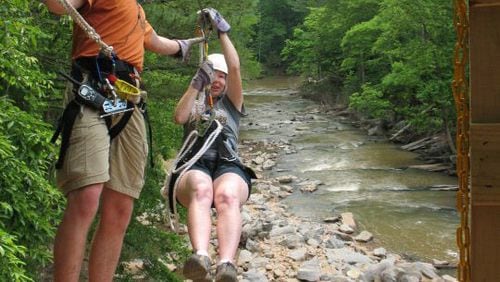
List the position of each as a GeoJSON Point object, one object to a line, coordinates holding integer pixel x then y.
{"type": "Point", "coordinates": [197, 268]}
{"type": "Point", "coordinates": [226, 272]}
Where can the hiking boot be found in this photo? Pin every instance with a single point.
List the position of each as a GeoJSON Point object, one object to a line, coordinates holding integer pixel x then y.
{"type": "Point", "coordinates": [226, 272]}
{"type": "Point", "coordinates": [197, 268]}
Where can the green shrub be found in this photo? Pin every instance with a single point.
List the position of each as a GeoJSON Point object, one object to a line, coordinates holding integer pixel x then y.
{"type": "Point", "coordinates": [370, 102]}
{"type": "Point", "coordinates": [29, 205]}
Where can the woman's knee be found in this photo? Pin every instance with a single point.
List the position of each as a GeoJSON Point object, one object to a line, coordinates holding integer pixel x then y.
{"type": "Point", "coordinates": [226, 197]}
{"type": "Point", "coordinates": [202, 191]}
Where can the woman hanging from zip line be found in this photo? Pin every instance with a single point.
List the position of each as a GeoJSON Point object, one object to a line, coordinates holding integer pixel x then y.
{"type": "Point", "coordinates": [218, 179]}
{"type": "Point", "coordinates": [94, 170]}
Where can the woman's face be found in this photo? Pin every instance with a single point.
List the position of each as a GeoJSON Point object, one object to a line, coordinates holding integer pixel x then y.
{"type": "Point", "coordinates": [219, 83]}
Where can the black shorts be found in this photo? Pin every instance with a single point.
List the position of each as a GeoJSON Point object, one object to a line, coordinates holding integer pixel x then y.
{"type": "Point", "coordinates": [217, 167]}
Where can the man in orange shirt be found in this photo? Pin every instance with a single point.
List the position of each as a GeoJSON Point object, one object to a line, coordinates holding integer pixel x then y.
{"type": "Point", "coordinates": [102, 160]}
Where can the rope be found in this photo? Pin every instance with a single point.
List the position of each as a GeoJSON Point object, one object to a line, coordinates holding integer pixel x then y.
{"type": "Point", "coordinates": [173, 219]}
{"type": "Point", "coordinates": [89, 30]}
{"type": "Point", "coordinates": [204, 29]}
{"type": "Point", "coordinates": [460, 87]}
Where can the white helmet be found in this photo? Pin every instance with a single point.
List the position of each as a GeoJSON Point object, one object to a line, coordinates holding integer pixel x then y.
{"type": "Point", "coordinates": [218, 61]}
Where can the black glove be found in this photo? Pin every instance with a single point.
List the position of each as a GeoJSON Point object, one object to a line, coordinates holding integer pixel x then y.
{"type": "Point", "coordinates": [218, 22]}
{"type": "Point", "coordinates": [204, 76]}
{"type": "Point", "coordinates": [185, 47]}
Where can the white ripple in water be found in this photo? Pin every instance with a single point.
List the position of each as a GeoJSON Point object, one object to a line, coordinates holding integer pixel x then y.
{"type": "Point", "coordinates": [344, 187]}
{"type": "Point", "coordinates": [318, 167]}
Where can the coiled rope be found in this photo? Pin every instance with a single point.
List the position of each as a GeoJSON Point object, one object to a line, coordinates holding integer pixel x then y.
{"type": "Point", "coordinates": [172, 216]}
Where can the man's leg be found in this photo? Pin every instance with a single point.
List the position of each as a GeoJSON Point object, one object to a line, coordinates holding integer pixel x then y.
{"type": "Point", "coordinates": [116, 210]}
{"type": "Point", "coordinates": [231, 192]}
{"type": "Point", "coordinates": [69, 246]}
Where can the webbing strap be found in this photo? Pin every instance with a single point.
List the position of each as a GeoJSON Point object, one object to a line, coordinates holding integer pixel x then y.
{"type": "Point", "coordinates": [150, 136]}
{"type": "Point", "coordinates": [65, 127]}
{"type": "Point", "coordinates": [120, 125]}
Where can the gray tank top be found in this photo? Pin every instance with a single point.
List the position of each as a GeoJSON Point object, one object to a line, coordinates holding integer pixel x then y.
{"type": "Point", "coordinates": [229, 116]}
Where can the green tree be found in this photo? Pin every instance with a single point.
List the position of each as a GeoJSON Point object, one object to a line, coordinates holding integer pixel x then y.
{"type": "Point", "coordinates": [277, 20]}
{"type": "Point", "coordinates": [391, 52]}
{"type": "Point", "coordinates": [417, 39]}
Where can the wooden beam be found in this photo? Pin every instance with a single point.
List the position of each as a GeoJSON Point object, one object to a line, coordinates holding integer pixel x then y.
{"type": "Point", "coordinates": [485, 166]}
{"type": "Point", "coordinates": [484, 64]}
{"type": "Point", "coordinates": [484, 138]}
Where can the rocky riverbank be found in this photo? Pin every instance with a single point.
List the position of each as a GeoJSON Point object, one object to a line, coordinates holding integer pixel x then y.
{"type": "Point", "coordinates": [278, 246]}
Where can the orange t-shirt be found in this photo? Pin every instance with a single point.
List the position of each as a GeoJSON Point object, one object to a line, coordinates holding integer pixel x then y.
{"type": "Point", "coordinates": [121, 24]}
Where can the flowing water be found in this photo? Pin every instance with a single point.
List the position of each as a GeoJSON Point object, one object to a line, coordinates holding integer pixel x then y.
{"type": "Point", "coordinates": [360, 174]}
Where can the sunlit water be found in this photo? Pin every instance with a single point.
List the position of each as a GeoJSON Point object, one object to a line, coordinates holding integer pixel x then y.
{"type": "Point", "coordinates": [360, 174]}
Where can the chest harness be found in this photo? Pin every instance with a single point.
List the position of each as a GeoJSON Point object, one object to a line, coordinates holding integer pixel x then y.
{"type": "Point", "coordinates": [104, 83]}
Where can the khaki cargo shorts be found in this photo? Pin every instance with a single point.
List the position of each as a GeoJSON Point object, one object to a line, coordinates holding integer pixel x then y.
{"type": "Point", "coordinates": [91, 159]}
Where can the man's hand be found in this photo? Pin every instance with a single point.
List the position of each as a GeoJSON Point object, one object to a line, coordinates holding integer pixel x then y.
{"type": "Point", "coordinates": [218, 22]}
{"type": "Point", "coordinates": [185, 47]}
{"type": "Point", "coordinates": [204, 76]}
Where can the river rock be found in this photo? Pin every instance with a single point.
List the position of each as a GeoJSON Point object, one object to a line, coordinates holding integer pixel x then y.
{"type": "Point", "coordinates": [268, 164]}
{"type": "Point", "coordinates": [334, 243]}
{"type": "Point", "coordinates": [346, 255]}
{"type": "Point", "coordinates": [254, 276]}
{"type": "Point", "coordinates": [309, 271]}
{"type": "Point", "coordinates": [379, 252]}
{"type": "Point", "coordinates": [364, 237]}
{"type": "Point", "coordinates": [348, 219]}
{"type": "Point", "coordinates": [346, 229]}
{"type": "Point", "coordinates": [285, 179]}
{"type": "Point", "coordinates": [298, 255]}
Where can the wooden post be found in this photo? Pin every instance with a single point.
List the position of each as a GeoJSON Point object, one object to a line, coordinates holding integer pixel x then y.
{"type": "Point", "coordinates": [485, 139]}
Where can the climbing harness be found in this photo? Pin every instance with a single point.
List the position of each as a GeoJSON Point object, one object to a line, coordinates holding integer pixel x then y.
{"type": "Point", "coordinates": [460, 87]}
{"type": "Point", "coordinates": [124, 89]}
{"type": "Point", "coordinates": [93, 88]}
{"type": "Point", "coordinates": [206, 131]}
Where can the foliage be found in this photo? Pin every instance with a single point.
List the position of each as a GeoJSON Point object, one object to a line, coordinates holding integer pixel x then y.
{"type": "Point", "coordinates": [21, 75]}
{"type": "Point", "coordinates": [370, 102]}
{"type": "Point", "coordinates": [274, 28]}
{"type": "Point", "coordinates": [11, 258]}
{"type": "Point", "coordinates": [29, 205]}
{"type": "Point", "coordinates": [178, 19]}
{"type": "Point", "coordinates": [164, 90]}
{"type": "Point", "coordinates": [391, 54]}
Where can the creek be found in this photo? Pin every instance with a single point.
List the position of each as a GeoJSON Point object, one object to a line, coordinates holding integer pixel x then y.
{"type": "Point", "coordinates": [367, 176]}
